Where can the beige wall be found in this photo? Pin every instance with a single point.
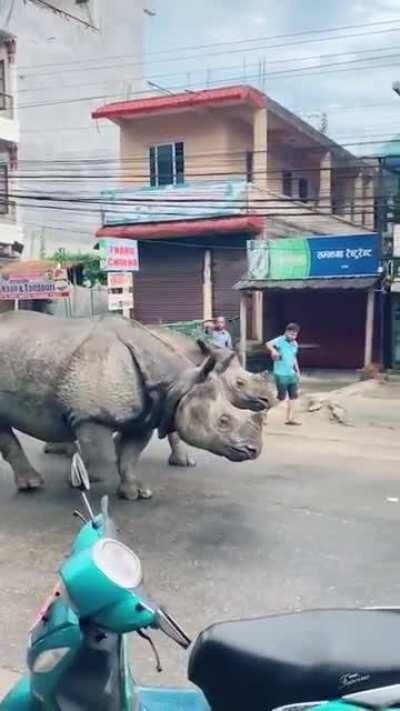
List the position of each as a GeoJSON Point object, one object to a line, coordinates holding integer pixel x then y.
{"type": "Point", "coordinates": [281, 158]}
{"type": "Point", "coordinates": [214, 145]}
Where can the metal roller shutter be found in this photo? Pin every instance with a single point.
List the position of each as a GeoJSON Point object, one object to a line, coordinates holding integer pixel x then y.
{"type": "Point", "coordinates": [228, 266]}
{"type": "Point", "coordinates": [168, 287]}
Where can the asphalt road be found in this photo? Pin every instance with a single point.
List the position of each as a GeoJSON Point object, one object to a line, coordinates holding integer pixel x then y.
{"type": "Point", "coordinates": [306, 525]}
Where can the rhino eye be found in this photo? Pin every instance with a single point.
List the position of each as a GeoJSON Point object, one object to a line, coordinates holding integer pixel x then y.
{"type": "Point", "coordinates": [240, 382]}
{"type": "Point", "coordinates": [224, 421]}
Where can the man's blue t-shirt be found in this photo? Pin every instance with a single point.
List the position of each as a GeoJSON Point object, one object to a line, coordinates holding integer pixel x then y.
{"type": "Point", "coordinates": [284, 367]}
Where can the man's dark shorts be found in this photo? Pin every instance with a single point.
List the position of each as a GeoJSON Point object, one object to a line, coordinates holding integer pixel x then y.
{"type": "Point", "coordinates": [287, 386]}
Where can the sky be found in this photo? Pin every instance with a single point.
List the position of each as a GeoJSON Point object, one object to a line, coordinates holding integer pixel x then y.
{"type": "Point", "coordinates": [362, 109]}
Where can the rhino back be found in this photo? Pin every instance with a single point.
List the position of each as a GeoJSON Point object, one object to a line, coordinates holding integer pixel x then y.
{"type": "Point", "coordinates": [180, 343]}
{"type": "Point", "coordinates": [35, 348]}
{"type": "Point", "coordinates": [52, 369]}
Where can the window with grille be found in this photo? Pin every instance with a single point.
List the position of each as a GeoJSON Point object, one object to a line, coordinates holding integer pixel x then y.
{"type": "Point", "coordinates": [303, 189]}
{"type": "Point", "coordinates": [287, 183]}
{"type": "Point", "coordinates": [249, 166]}
{"type": "Point", "coordinates": [167, 164]}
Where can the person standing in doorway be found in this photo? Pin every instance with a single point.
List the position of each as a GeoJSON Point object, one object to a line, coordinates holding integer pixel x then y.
{"type": "Point", "coordinates": [221, 336]}
{"type": "Point", "coordinates": [283, 351]}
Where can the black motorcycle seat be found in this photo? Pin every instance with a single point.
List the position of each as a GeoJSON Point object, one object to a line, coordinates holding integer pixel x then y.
{"type": "Point", "coordinates": [301, 657]}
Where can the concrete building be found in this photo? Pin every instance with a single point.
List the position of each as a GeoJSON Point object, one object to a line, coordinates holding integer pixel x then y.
{"type": "Point", "coordinates": [10, 228]}
{"type": "Point", "coordinates": [89, 48]}
{"type": "Point", "coordinates": [207, 171]}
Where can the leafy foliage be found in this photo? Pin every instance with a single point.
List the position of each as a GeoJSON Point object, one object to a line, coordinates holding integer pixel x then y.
{"type": "Point", "coordinates": [85, 264]}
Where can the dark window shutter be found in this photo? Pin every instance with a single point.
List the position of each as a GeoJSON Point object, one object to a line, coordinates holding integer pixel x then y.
{"type": "Point", "coordinates": [179, 163]}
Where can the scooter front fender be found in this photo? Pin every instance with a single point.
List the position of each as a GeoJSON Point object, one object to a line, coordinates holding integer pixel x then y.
{"type": "Point", "coordinates": [20, 698]}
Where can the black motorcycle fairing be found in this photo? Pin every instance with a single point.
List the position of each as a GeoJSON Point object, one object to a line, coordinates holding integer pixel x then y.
{"type": "Point", "coordinates": [265, 663]}
{"type": "Point", "coordinates": [93, 681]}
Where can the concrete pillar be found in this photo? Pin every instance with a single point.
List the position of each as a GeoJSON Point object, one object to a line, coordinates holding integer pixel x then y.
{"type": "Point", "coordinates": [207, 286]}
{"type": "Point", "coordinates": [257, 315]}
{"type": "Point", "coordinates": [369, 202]}
{"type": "Point", "coordinates": [243, 328]}
{"type": "Point", "coordinates": [369, 327]}
{"type": "Point", "coordinates": [260, 148]}
{"type": "Point", "coordinates": [325, 183]}
{"type": "Point", "coordinates": [358, 199]}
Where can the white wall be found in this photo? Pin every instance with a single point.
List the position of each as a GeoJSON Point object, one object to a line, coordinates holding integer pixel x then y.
{"type": "Point", "coordinates": [60, 60]}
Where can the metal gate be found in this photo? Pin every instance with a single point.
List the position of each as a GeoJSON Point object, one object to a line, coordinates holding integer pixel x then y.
{"type": "Point", "coordinates": [168, 287]}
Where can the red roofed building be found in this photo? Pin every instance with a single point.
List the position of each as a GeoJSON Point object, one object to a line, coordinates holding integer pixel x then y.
{"type": "Point", "coordinates": [201, 173]}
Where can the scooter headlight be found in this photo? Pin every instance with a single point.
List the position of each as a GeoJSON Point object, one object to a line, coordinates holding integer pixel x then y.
{"type": "Point", "coordinates": [118, 563]}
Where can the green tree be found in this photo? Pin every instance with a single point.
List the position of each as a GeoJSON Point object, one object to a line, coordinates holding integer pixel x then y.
{"type": "Point", "coordinates": [86, 266]}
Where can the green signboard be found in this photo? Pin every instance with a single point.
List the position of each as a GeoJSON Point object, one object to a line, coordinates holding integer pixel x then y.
{"type": "Point", "coordinates": [279, 259]}
{"type": "Point", "coordinates": [313, 257]}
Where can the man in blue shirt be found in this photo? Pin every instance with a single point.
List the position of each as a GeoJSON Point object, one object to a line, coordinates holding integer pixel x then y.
{"type": "Point", "coordinates": [283, 350]}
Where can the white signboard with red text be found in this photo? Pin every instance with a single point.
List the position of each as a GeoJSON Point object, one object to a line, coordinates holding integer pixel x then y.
{"type": "Point", "coordinates": [119, 280]}
{"type": "Point", "coordinates": [119, 255]}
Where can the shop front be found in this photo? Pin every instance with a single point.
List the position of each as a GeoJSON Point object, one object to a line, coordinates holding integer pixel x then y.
{"type": "Point", "coordinates": [189, 279]}
{"type": "Point", "coordinates": [330, 285]}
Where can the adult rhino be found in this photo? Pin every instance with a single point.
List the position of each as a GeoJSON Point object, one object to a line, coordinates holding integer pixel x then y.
{"type": "Point", "coordinates": [83, 380]}
{"type": "Point", "coordinates": [247, 391]}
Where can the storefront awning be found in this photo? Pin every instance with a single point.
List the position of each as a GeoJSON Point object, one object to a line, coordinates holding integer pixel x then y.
{"type": "Point", "coordinates": [248, 224]}
{"type": "Point", "coordinates": [359, 283]}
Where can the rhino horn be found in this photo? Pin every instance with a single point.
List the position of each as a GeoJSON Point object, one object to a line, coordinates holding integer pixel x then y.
{"type": "Point", "coordinates": [191, 377]}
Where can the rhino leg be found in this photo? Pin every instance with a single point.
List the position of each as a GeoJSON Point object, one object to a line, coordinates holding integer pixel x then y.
{"type": "Point", "coordinates": [26, 477]}
{"type": "Point", "coordinates": [129, 450]}
{"type": "Point", "coordinates": [68, 449]}
{"type": "Point", "coordinates": [97, 448]}
{"type": "Point", "coordinates": [179, 456]}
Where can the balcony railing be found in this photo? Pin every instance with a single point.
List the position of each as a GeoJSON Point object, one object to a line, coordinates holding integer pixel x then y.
{"type": "Point", "coordinates": [6, 105]}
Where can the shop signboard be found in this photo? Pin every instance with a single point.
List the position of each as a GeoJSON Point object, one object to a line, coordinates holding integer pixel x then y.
{"type": "Point", "coordinates": [120, 301]}
{"type": "Point", "coordinates": [188, 201]}
{"type": "Point", "coordinates": [314, 257]}
{"type": "Point", "coordinates": [119, 255]}
{"type": "Point", "coordinates": [33, 286]}
{"type": "Point", "coordinates": [120, 292]}
{"type": "Point", "coordinates": [119, 280]}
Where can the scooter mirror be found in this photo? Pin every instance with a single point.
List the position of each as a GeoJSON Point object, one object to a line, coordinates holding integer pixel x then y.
{"type": "Point", "coordinates": [79, 475]}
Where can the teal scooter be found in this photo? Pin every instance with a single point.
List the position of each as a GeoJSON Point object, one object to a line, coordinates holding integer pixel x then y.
{"type": "Point", "coordinates": [341, 660]}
